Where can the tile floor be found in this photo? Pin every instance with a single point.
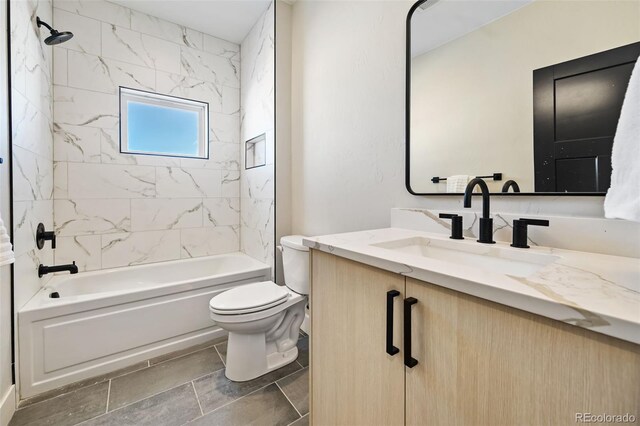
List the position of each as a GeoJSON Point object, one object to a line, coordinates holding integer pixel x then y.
{"type": "Point", "coordinates": [184, 387]}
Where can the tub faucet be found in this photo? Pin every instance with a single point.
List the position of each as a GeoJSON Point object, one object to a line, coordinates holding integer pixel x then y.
{"type": "Point", "coordinates": [486, 223]}
{"type": "Point", "coordinates": [44, 270]}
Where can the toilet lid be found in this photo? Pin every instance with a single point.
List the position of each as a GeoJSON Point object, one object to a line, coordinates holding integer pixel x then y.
{"type": "Point", "coordinates": [249, 298]}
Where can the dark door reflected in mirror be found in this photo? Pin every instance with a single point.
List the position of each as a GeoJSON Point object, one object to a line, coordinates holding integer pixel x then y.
{"type": "Point", "coordinates": [521, 91]}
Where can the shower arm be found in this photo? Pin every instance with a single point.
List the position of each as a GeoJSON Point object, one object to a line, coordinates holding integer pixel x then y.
{"type": "Point", "coordinates": [40, 23]}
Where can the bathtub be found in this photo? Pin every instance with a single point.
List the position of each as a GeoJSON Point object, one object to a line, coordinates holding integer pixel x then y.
{"type": "Point", "coordinates": [106, 320]}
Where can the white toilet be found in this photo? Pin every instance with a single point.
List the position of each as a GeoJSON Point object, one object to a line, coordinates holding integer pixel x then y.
{"type": "Point", "coordinates": [263, 319]}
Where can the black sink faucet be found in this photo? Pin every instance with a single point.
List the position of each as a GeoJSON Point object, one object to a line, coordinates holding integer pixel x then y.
{"type": "Point", "coordinates": [486, 223]}
{"type": "Point", "coordinates": [44, 270]}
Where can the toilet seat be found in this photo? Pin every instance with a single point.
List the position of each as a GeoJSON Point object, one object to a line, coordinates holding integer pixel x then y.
{"type": "Point", "coordinates": [249, 298]}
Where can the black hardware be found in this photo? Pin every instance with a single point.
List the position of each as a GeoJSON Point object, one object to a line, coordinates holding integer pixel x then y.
{"type": "Point", "coordinates": [495, 176]}
{"type": "Point", "coordinates": [42, 236]}
{"type": "Point", "coordinates": [456, 225]}
{"type": "Point", "coordinates": [520, 230]}
{"type": "Point", "coordinates": [486, 223]}
{"type": "Point", "coordinates": [54, 295]}
{"type": "Point", "coordinates": [391, 294]}
{"type": "Point", "coordinates": [44, 270]}
{"type": "Point", "coordinates": [409, 361]}
{"type": "Point", "coordinates": [510, 184]}
{"type": "Point", "coordinates": [56, 36]}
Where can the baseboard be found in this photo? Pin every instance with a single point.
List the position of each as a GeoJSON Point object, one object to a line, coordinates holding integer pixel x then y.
{"type": "Point", "coordinates": [8, 406]}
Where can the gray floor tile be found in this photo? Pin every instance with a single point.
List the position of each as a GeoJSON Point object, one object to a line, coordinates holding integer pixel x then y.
{"type": "Point", "coordinates": [171, 408]}
{"type": "Point", "coordinates": [160, 377]}
{"type": "Point", "coordinates": [68, 409]}
{"type": "Point", "coordinates": [215, 390]}
{"type": "Point", "coordinates": [296, 388]}
{"type": "Point", "coordinates": [83, 383]}
{"type": "Point", "coordinates": [302, 421]}
{"type": "Point", "coordinates": [267, 406]}
{"type": "Point", "coordinates": [176, 354]}
{"type": "Point", "coordinates": [303, 351]}
{"type": "Point", "coordinates": [222, 349]}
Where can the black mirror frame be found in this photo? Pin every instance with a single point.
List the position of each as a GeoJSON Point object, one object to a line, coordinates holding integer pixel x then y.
{"type": "Point", "coordinates": [407, 166]}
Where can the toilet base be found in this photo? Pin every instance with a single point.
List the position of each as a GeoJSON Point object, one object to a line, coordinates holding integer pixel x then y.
{"type": "Point", "coordinates": [249, 360]}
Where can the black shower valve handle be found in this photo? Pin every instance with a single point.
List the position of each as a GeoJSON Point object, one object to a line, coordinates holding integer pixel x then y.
{"type": "Point", "coordinates": [42, 236]}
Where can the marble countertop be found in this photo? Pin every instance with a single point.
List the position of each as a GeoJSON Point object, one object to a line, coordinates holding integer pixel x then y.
{"type": "Point", "coordinates": [594, 291]}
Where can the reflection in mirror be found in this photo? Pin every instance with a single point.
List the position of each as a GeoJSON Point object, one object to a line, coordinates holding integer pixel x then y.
{"type": "Point", "coordinates": [529, 90]}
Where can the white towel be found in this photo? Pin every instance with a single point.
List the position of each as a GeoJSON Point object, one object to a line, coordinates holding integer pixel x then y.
{"type": "Point", "coordinates": [6, 252]}
{"type": "Point", "coordinates": [623, 198]}
{"type": "Point", "coordinates": [457, 183]}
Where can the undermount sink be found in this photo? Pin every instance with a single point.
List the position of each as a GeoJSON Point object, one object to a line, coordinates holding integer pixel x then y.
{"type": "Point", "coordinates": [497, 259]}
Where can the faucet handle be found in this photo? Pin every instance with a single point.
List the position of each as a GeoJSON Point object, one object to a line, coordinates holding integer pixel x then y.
{"type": "Point", "coordinates": [520, 230]}
{"type": "Point", "coordinates": [456, 225]}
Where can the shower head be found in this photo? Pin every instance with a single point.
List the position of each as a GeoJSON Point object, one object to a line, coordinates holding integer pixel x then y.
{"type": "Point", "coordinates": [56, 37]}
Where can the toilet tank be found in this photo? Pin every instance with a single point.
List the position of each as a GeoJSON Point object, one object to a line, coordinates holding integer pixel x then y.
{"type": "Point", "coordinates": [295, 263]}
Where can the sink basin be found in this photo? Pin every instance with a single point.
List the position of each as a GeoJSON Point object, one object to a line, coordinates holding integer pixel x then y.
{"type": "Point", "coordinates": [497, 259]}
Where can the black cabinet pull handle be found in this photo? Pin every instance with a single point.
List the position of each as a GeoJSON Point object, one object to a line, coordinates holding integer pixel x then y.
{"type": "Point", "coordinates": [409, 361]}
{"type": "Point", "coordinates": [391, 294]}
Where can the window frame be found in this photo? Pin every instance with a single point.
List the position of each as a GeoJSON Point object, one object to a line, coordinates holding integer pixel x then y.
{"type": "Point", "coordinates": [126, 94]}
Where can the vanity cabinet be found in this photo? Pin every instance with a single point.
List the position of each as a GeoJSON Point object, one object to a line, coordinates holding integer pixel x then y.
{"type": "Point", "coordinates": [479, 362]}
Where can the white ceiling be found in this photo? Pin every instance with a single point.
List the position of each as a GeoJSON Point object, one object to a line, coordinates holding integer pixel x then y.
{"type": "Point", "coordinates": [230, 20]}
{"type": "Point", "coordinates": [447, 20]}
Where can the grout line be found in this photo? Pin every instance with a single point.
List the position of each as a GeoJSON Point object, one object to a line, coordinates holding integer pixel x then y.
{"type": "Point", "coordinates": [306, 415]}
{"type": "Point", "coordinates": [220, 355]}
{"type": "Point", "coordinates": [108, 396]}
{"type": "Point", "coordinates": [285, 395]}
{"type": "Point", "coordinates": [197, 398]}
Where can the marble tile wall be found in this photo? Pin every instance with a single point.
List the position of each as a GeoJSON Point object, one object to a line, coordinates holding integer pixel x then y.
{"type": "Point", "coordinates": [257, 100]}
{"type": "Point", "coordinates": [32, 124]}
{"type": "Point", "coordinates": [113, 209]}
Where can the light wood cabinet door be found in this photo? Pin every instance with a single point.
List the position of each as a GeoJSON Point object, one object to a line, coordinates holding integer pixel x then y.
{"type": "Point", "coordinates": [353, 379]}
{"type": "Point", "coordinates": [482, 363]}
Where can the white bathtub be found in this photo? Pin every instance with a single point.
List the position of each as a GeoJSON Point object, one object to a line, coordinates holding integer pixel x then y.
{"type": "Point", "coordinates": [110, 319]}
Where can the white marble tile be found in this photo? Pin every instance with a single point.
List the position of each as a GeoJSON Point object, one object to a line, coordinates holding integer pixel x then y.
{"type": "Point", "coordinates": [85, 250]}
{"type": "Point", "coordinates": [76, 143]}
{"type": "Point", "coordinates": [104, 181]}
{"type": "Point", "coordinates": [257, 183]}
{"type": "Point", "coordinates": [190, 88]}
{"type": "Point", "coordinates": [221, 211]}
{"type": "Point", "coordinates": [31, 129]}
{"type": "Point", "coordinates": [60, 181]}
{"type": "Point", "coordinates": [98, 9]}
{"type": "Point", "coordinates": [33, 176]}
{"type": "Point", "coordinates": [221, 47]}
{"type": "Point", "coordinates": [166, 213]}
{"type": "Point", "coordinates": [257, 244]}
{"type": "Point", "coordinates": [166, 30]}
{"type": "Point", "coordinates": [209, 241]}
{"type": "Point", "coordinates": [27, 216]}
{"type": "Point", "coordinates": [60, 66]}
{"type": "Point", "coordinates": [224, 128]}
{"type": "Point", "coordinates": [139, 49]}
{"type": "Point", "coordinates": [230, 100]}
{"type": "Point", "coordinates": [85, 108]}
{"type": "Point", "coordinates": [231, 183]}
{"type": "Point", "coordinates": [25, 272]}
{"type": "Point", "coordinates": [257, 214]}
{"type": "Point", "coordinates": [87, 217]}
{"type": "Point", "coordinates": [208, 67]}
{"type": "Point", "coordinates": [222, 156]}
{"type": "Point", "coordinates": [110, 150]}
{"type": "Point", "coordinates": [86, 31]}
{"type": "Point", "coordinates": [107, 75]}
{"type": "Point", "coordinates": [135, 248]}
{"type": "Point", "coordinates": [188, 183]}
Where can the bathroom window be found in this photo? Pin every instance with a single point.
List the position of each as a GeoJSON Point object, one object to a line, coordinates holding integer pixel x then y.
{"type": "Point", "coordinates": [155, 124]}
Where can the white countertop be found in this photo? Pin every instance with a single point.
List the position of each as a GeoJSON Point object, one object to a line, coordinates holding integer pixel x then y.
{"type": "Point", "coordinates": [594, 291]}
